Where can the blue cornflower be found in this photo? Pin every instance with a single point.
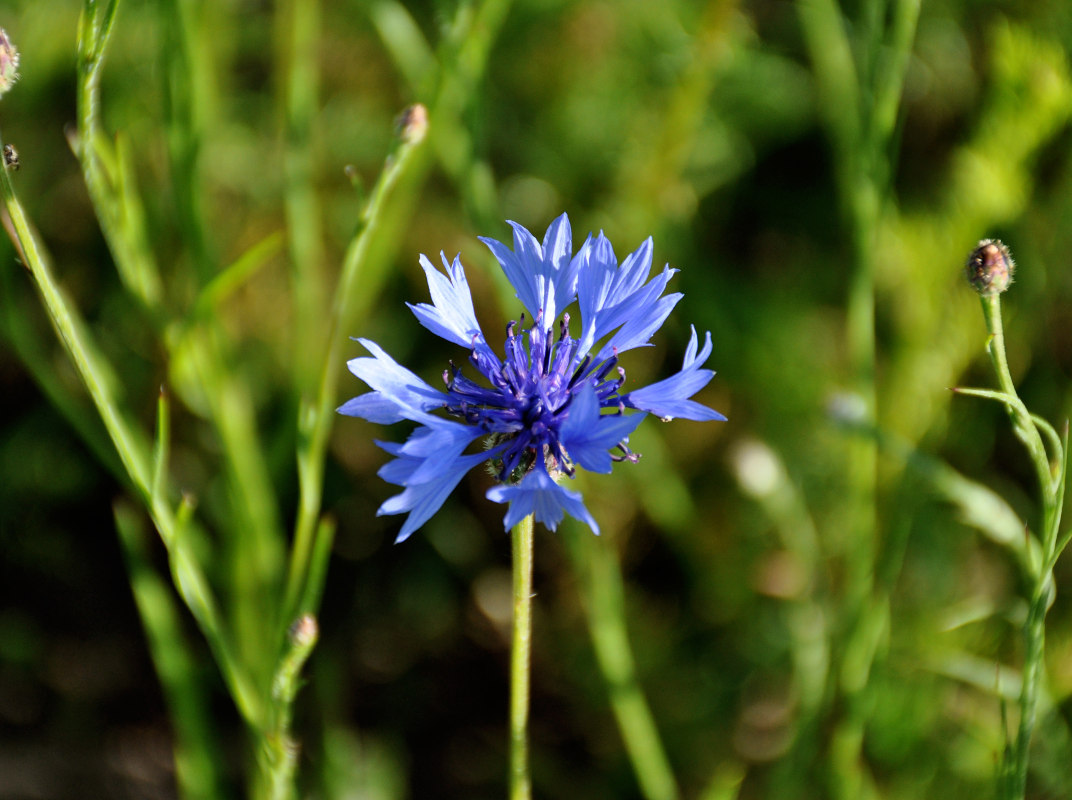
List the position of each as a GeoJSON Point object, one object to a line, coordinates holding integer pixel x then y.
{"type": "Point", "coordinates": [554, 402]}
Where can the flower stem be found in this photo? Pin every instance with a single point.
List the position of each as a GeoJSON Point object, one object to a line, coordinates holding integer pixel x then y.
{"type": "Point", "coordinates": [1013, 784]}
{"type": "Point", "coordinates": [1023, 425]}
{"type": "Point", "coordinates": [278, 750]}
{"type": "Point", "coordinates": [520, 661]}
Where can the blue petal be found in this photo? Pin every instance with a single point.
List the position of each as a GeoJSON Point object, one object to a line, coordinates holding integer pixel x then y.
{"type": "Point", "coordinates": [638, 331]}
{"type": "Point", "coordinates": [636, 302]}
{"type": "Point", "coordinates": [539, 495]}
{"type": "Point", "coordinates": [374, 407]}
{"type": "Point", "coordinates": [558, 244]}
{"type": "Point", "coordinates": [587, 435]}
{"type": "Point", "coordinates": [422, 500]}
{"type": "Point", "coordinates": [398, 393]}
{"type": "Point", "coordinates": [544, 278]}
{"type": "Point", "coordinates": [611, 296]}
{"type": "Point", "coordinates": [524, 287]}
{"type": "Point", "coordinates": [451, 315]}
{"type": "Point", "coordinates": [436, 445]}
{"type": "Point", "coordinates": [669, 398]}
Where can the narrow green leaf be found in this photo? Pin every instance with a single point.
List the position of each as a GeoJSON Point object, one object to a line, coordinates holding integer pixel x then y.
{"type": "Point", "coordinates": [236, 274]}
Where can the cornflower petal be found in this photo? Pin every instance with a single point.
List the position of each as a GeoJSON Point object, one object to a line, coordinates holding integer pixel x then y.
{"type": "Point", "coordinates": [437, 444]}
{"type": "Point", "coordinates": [539, 495]}
{"type": "Point", "coordinates": [397, 394]}
{"type": "Point", "coordinates": [587, 435]}
{"type": "Point", "coordinates": [668, 399]}
{"type": "Point", "coordinates": [450, 315]}
{"type": "Point", "coordinates": [637, 332]}
{"type": "Point", "coordinates": [611, 296]}
{"type": "Point", "coordinates": [544, 278]}
{"type": "Point", "coordinates": [421, 500]}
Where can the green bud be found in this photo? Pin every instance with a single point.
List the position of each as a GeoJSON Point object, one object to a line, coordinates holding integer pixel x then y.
{"type": "Point", "coordinates": [990, 267]}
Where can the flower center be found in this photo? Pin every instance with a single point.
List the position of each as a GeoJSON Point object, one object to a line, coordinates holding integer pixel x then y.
{"type": "Point", "coordinates": [531, 390]}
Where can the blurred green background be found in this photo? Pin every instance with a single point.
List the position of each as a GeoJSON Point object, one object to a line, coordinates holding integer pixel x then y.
{"type": "Point", "coordinates": [704, 125]}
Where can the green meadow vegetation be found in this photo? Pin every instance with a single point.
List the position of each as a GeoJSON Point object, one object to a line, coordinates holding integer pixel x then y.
{"type": "Point", "coordinates": [851, 589]}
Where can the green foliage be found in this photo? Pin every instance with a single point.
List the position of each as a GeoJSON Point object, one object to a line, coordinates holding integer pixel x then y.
{"type": "Point", "coordinates": [814, 607]}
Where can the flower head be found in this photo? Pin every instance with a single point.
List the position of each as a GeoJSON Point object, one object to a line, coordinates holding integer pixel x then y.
{"type": "Point", "coordinates": [990, 267]}
{"type": "Point", "coordinates": [551, 403]}
{"type": "Point", "coordinates": [9, 63]}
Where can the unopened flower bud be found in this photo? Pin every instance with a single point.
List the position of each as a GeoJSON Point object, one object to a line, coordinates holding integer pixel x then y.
{"type": "Point", "coordinates": [304, 631]}
{"type": "Point", "coordinates": [990, 267]}
{"type": "Point", "coordinates": [413, 123]}
{"type": "Point", "coordinates": [9, 63]}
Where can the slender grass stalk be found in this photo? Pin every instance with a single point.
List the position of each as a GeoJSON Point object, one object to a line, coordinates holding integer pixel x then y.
{"type": "Point", "coordinates": [134, 453]}
{"type": "Point", "coordinates": [1023, 423]}
{"type": "Point", "coordinates": [603, 593]}
{"type": "Point", "coordinates": [191, 107]}
{"type": "Point", "coordinates": [19, 332]}
{"type": "Point", "coordinates": [197, 766]}
{"type": "Point", "coordinates": [254, 547]}
{"type": "Point", "coordinates": [255, 554]}
{"type": "Point", "coordinates": [105, 170]}
{"type": "Point", "coordinates": [298, 32]}
{"type": "Point", "coordinates": [521, 661]}
{"type": "Point", "coordinates": [248, 656]}
{"type": "Point", "coordinates": [859, 97]}
{"type": "Point", "coordinates": [95, 372]}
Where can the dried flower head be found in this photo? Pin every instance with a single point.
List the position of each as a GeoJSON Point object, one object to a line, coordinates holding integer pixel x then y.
{"type": "Point", "coordinates": [990, 267]}
{"type": "Point", "coordinates": [9, 63]}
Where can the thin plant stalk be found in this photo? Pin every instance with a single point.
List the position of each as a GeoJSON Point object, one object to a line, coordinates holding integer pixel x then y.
{"type": "Point", "coordinates": [134, 453]}
{"type": "Point", "coordinates": [196, 748]}
{"type": "Point", "coordinates": [393, 192]}
{"type": "Point", "coordinates": [298, 31]}
{"type": "Point", "coordinates": [859, 98]}
{"type": "Point", "coordinates": [279, 752]}
{"type": "Point", "coordinates": [1013, 781]}
{"type": "Point", "coordinates": [246, 654]}
{"type": "Point", "coordinates": [521, 660]}
{"type": "Point", "coordinates": [256, 553]}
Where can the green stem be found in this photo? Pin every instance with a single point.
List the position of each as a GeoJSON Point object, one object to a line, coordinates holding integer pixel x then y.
{"type": "Point", "coordinates": [134, 452]}
{"type": "Point", "coordinates": [108, 178]}
{"type": "Point", "coordinates": [520, 661]}
{"type": "Point", "coordinates": [390, 198]}
{"type": "Point", "coordinates": [298, 23]}
{"type": "Point", "coordinates": [860, 98]}
{"type": "Point", "coordinates": [196, 748]}
{"type": "Point", "coordinates": [1051, 486]}
{"type": "Point", "coordinates": [1023, 425]}
{"type": "Point", "coordinates": [279, 751]}
{"type": "Point", "coordinates": [95, 373]}
{"type": "Point", "coordinates": [1034, 659]}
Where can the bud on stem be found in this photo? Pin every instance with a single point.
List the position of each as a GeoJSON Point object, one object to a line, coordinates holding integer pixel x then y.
{"type": "Point", "coordinates": [990, 267]}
